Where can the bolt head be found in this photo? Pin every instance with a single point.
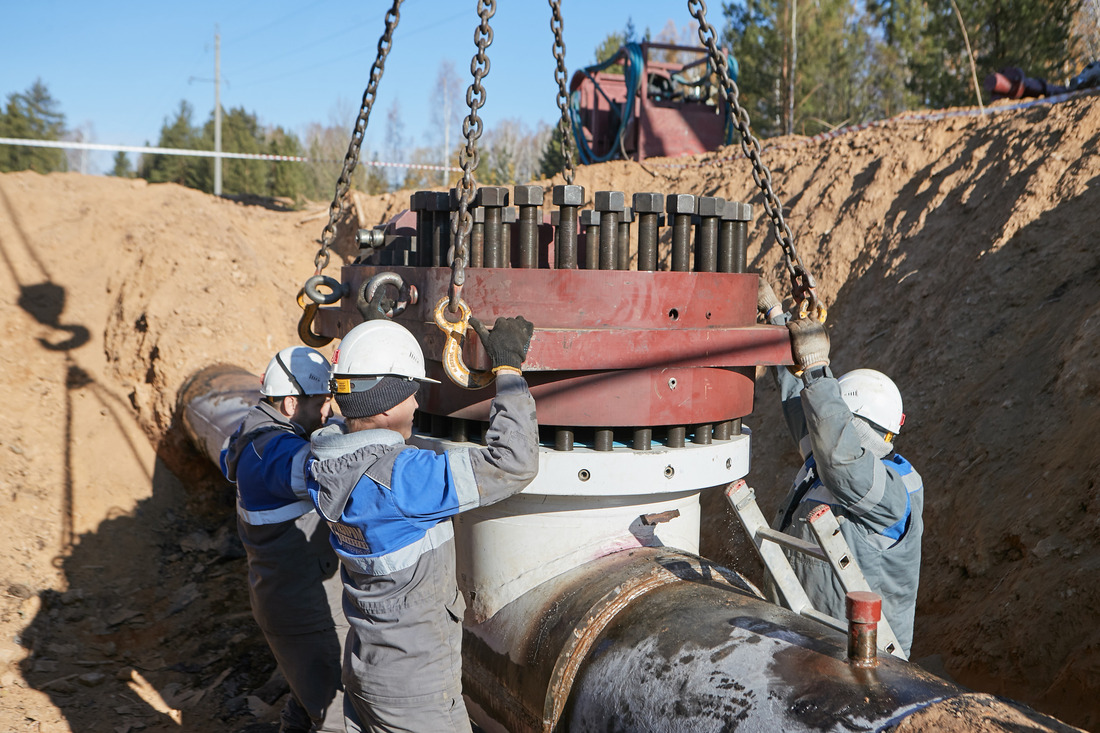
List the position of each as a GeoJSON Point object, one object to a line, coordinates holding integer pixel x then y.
{"type": "Point", "coordinates": [610, 200]}
{"type": "Point", "coordinates": [568, 195]}
{"type": "Point", "coordinates": [649, 203]}
{"type": "Point", "coordinates": [737, 211]}
{"type": "Point", "coordinates": [438, 200]}
{"type": "Point", "coordinates": [680, 203]}
{"type": "Point", "coordinates": [416, 201]}
{"type": "Point", "coordinates": [508, 215]}
{"type": "Point", "coordinates": [527, 196]}
{"type": "Point", "coordinates": [626, 215]}
{"type": "Point", "coordinates": [590, 217]}
{"type": "Point", "coordinates": [492, 196]}
{"type": "Point", "coordinates": [710, 205]}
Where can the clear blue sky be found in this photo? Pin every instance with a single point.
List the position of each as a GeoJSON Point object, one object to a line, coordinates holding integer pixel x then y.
{"type": "Point", "coordinates": [121, 68]}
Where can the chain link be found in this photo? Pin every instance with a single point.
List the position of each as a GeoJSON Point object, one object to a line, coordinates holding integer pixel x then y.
{"type": "Point", "coordinates": [469, 156]}
{"type": "Point", "coordinates": [336, 208]}
{"type": "Point", "coordinates": [802, 282]}
{"type": "Point", "coordinates": [557, 25]}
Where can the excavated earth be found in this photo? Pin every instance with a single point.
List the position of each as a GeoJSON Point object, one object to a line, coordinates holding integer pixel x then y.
{"type": "Point", "coordinates": [959, 255]}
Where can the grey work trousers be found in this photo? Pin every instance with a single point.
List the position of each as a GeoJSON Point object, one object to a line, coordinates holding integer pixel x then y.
{"type": "Point", "coordinates": [311, 664]}
{"type": "Point", "coordinates": [447, 715]}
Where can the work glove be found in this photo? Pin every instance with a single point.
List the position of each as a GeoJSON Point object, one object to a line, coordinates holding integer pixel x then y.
{"type": "Point", "coordinates": [507, 343]}
{"type": "Point", "coordinates": [379, 305]}
{"type": "Point", "coordinates": [809, 344]}
{"type": "Point", "coordinates": [766, 301]}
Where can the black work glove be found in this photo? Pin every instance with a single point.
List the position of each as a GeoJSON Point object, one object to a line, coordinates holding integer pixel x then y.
{"type": "Point", "coordinates": [379, 305]}
{"type": "Point", "coordinates": [507, 343]}
{"type": "Point", "coordinates": [809, 343]}
{"type": "Point", "coordinates": [766, 300]}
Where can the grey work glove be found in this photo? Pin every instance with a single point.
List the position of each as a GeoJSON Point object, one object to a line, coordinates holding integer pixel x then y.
{"type": "Point", "coordinates": [809, 343]}
{"type": "Point", "coordinates": [766, 301]}
{"type": "Point", "coordinates": [379, 305]}
{"type": "Point", "coordinates": [507, 343]}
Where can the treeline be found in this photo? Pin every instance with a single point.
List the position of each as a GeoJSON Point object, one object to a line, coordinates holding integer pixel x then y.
{"type": "Point", "coordinates": [859, 61]}
{"type": "Point", "coordinates": [850, 61]}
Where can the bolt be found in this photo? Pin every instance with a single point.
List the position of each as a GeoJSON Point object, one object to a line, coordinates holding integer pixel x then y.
{"type": "Point", "coordinates": [527, 196]}
{"type": "Point", "coordinates": [610, 200]}
{"type": "Point", "coordinates": [492, 196]}
{"type": "Point", "coordinates": [649, 203]}
{"type": "Point", "coordinates": [680, 203]}
{"type": "Point", "coordinates": [568, 195]}
{"type": "Point", "coordinates": [710, 206]}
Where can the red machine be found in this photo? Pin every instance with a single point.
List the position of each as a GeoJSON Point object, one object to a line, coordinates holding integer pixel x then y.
{"type": "Point", "coordinates": [676, 111]}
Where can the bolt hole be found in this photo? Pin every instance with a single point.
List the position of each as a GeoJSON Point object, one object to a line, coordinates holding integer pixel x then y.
{"type": "Point", "coordinates": [669, 471]}
{"type": "Point", "coordinates": [674, 314]}
{"type": "Point", "coordinates": [672, 383]}
{"type": "Point", "coordinates": [729, 463]}
{"type": "Point", "coordinates": [583, 474]}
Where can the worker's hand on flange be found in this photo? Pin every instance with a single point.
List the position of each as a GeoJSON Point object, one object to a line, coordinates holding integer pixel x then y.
{"type": "Point", "coordinates": [507, 343]}
{"type": "Point", "coordinates": [809, 344]}
{"type": "Point", "coordinates": [766, 301]}
{"type": "Point", "coordinates": [380, 305]}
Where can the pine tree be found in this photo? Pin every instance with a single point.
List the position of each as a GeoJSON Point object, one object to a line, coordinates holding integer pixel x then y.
{"type": "Point", "coordinates": [178, 134]}
{"type": "Point", "coordinates": [33, 115]}
{"type": "Point", "coordinates": [285, 178]}
{"type": "Point", "coordinates": [122, 168]}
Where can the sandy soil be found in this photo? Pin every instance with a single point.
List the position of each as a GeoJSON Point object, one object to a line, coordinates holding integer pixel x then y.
{"type": "Point", "coordinates": [959, 256]}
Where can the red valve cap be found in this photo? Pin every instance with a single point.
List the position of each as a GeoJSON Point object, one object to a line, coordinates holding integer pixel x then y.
{"type": "Point", "coordinates": [863, 607]}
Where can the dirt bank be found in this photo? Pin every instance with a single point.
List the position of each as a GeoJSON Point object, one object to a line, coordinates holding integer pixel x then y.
{"type": "Point", "coordinates": [957, 255]}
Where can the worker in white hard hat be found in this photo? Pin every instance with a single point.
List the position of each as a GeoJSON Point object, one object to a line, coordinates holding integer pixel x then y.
{"type": "Point", "coordinates": [845, 430]}
{"type": "Point", "coordinates": [389, 507]}
{"type": "Point", "coordinates": [292, 580]}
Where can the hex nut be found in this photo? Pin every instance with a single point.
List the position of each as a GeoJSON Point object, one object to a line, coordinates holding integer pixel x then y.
{"type": "Point", "coordinates": [492, 196]}
{"type": "Point", "coordinates": [527, 196]}
{"type": "Point", "coordinates": [680, 203]}
{"type": "Point", "coordinates": [610, 200]}
{"type": "Point", "coordinates": [649, 203]}
{"type": "Point", "coordinates": [568, 195]}
{"type": "Point", "coordinates": [710, 206]}
{"type": "Point", "coordinates": [737, 211]}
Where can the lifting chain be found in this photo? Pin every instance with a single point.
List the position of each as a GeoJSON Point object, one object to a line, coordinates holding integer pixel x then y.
{"type": "Point", "coordinates": [804, 289]}
{"type": "Point", "coordinates": [352, 157]}
{"type": "Point", "coordinates": [564, 126]}
{"type": "Point", "coordinates": [468, 156]}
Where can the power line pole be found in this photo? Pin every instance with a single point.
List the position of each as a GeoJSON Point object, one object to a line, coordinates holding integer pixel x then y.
{"type": "Point", "coordinates": [217, 112]}
{"type": "Point", "coordinates": [794, 62]}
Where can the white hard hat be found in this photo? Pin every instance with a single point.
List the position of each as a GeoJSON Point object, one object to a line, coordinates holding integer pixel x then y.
{"type": "Point", "coordinates": [373, 350]}
{"type": "Point", "coordinates": [297, 370]}
{"type": "Point", "coordinates": [873, 396]}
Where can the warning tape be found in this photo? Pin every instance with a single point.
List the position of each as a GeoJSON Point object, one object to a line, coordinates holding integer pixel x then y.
{"type": "Point", "coordinates": [206, 153]}
{"type": "Point", "coordinates": [905, 117]}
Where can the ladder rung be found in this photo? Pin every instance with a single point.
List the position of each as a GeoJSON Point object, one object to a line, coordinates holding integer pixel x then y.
{"type": "Point", "coordinates": [792, 543]}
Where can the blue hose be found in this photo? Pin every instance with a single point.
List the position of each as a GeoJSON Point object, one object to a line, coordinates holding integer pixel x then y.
{"type": "Point", "coordinates": [632, 73]}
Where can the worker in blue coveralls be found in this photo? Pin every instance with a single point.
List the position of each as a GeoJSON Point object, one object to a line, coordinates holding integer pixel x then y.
{"type": "Point", "coordinates": [292, 580]}
{"type": "Point", "coordinates": [845, 430]}
{"type": "Point", "coordinates": [389, 507]}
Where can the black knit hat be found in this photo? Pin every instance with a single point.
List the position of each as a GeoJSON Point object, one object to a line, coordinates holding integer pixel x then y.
{"type": "Point", "coordinates": [387, 394]}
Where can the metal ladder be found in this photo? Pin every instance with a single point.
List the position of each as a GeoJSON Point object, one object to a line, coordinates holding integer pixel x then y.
{"type": "Point", "coordinates": [831, 547]}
